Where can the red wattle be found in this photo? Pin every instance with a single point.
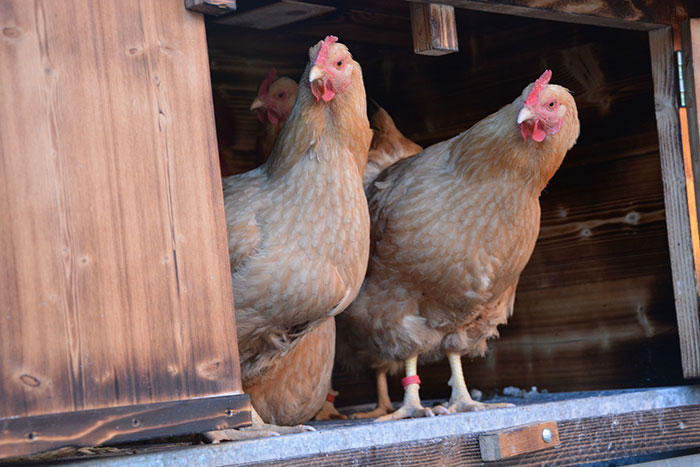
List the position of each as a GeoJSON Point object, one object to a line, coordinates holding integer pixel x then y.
{"type": "Point", "coordinates": [538, 133]}
{"type": "Point", "coordinates": [272, 117]}
{"type": "Point", "coordinates": [322, 89]}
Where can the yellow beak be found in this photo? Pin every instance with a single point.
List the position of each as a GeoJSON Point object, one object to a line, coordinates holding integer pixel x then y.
{"type": "Point", "coordinates": [525, 114]}
{"type": "Point", "coordinates": [257, 103]}
{"type": "Point", "coordinates": [316, 73]}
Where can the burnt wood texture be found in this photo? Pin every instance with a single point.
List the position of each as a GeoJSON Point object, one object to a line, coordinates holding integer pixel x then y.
{"type": "Point", "coordinates": [595, 305]}
{"type": "Point", "coordinates": [115, 285]}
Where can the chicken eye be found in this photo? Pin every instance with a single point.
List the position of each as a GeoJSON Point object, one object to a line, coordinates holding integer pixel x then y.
{"type": "Point", "coordinates": [280, 95]}
{"type": "Point", "coordinates": [339, 63]}
{"type": "Point", "coordinates": [551, 104]}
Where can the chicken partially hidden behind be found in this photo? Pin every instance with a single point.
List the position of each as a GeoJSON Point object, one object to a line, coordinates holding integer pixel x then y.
{"type": "Point", "coordinates": [452, 229]}
{"type": "Point", "coordinates": [273, 104]}
{"type": "Point", "coordinates": [388, 145]}
{"type": "Point", "coordinates": [298, 230]}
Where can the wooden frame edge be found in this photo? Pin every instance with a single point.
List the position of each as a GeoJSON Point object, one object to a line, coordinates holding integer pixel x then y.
{"type": "Point", "coordinates": [31, 435]}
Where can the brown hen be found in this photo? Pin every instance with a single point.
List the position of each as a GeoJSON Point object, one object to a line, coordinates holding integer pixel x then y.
{"type": "Point", "coordinates": [452, 229]}
{"type": "Point", "coordinates": [298, 230]}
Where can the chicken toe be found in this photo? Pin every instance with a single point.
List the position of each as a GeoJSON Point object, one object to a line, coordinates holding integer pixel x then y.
{"type": "Point", "coordinates": [328, 411]}
{"type": "Point", "coordinates": [258, 429]}
{"type": "Point", "coordinates": [383, 401]}
{"type": "Point", "coordinates": [412, 407]}
{"type": "Point", "coordinates": [461, 401]}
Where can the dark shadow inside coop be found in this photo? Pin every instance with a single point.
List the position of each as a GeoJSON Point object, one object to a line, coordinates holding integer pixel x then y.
{"type": "Point", "coordinates": [594, 307]}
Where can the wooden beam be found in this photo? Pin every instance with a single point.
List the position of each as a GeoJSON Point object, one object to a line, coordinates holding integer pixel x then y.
{"type": "Point", "coordinates": [434, 29]}
{"type": "Point", "coordinates": [676, 200]}
{"type": "Point", "coordinates": [22, 436]}
{"type": "Point", "coordinates": [276, 14]}
{"type": "Point", "coordinates": [629, 14]}
{"type": "Point", "coordinates": [211, 7]}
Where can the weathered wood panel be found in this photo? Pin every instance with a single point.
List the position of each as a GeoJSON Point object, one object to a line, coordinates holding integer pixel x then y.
{"type": "Point", "coordinates": [676, 201]}
{"type": "Point", "coordinates": [115, 285]}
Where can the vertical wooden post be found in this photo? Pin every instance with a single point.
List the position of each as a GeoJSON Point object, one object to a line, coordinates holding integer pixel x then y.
{"type": "Point", "coordinates": [675, 195]}
{"type": "Point", "coordinates": [687, 42]}
{"type": "Point", "coordinates": [434, 29]}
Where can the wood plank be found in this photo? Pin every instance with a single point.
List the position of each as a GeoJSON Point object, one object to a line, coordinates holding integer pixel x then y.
{"type": "Point", "coordinates": [688, 41]}
{"type": "Point", "coordinates": [211, 7]}
{"type": "Point", "coordinates": [115, 285]}
{"type": "Point", "coordinates": [518, 440]}
{"type": "Point", "coordinates": [616, 437]}
{"type": "Point", "coordinates": [433, 28]}
{"type": "Point", "coordinates": [677, 213]}
{"type": "Point", "coordinates": [22, 436]}
{"type": "Point", "coordinates": [611, 13]}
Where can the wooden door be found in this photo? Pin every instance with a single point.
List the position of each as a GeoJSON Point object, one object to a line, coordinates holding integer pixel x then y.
{"type": "Point", "coordinates": [115, 289]}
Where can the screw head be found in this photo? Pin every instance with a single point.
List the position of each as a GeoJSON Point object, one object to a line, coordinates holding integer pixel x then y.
{"type": "Point", "coordinates": [547, 435]}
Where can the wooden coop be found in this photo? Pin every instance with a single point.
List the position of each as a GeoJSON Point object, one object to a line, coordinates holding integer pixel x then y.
{"type": "Point", "coordinates": [116, 309]}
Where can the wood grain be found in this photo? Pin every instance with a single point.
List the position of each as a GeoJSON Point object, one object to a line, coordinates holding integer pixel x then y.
{"type": "Point", "coordinates": [211, 7]}
{"type": "Point", "coordinates": [611, 13]}
{"type": "Point", "coordinates": [689, 43]}
{"type": "Point", "coordinates": [433, 28]}
{"type": "Point", "coordinates": [676, 201]}
{"type": "Point", "coordinates": [115, 285]}
{"type": "Point", "coordinates": [518, 440]}
{"type": "Point", "coordinates": [22, 436]}
{"type": "Point", "coordinates": [587, 440]}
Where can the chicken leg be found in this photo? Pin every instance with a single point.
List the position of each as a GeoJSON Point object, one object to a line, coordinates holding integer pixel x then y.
{"type": "Point", "coordinates": [259, 429]}
{"type": "Point", "coordinates": [328, 411]}
{"type": "Point", "coordinates": [383, 400]}
{"type": "Point", "coordinates": [461, 401]}
{"type": "Point", "coordinates": [412, 407]}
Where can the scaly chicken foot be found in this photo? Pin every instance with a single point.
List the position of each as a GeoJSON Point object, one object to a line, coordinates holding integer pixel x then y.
{"type": "Point", "coordinates": [258, 429]}
{"type": "Point", "coordinates": [328, 411]}
{"type": "Point", "coordinates": [383, 401]}
{"type": "Point", "coordinates": [461, 401]}
{"type": "Point", "coordinates": [412, 407]}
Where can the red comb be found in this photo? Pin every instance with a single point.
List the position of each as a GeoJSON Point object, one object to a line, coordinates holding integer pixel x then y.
{"type": "Point", "coordinates": [325, 47]}
{"type": "Point", "coordinates": [265, 85]}
{"type": "Point", "coordinates": [541, 82]}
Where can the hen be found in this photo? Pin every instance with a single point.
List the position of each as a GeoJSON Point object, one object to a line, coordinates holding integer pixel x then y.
{"type": "Point", "coordinates": [388, 145]}
{"type": "Point", "coordinates": [298, 230]}
{"type": "Point", "coordinates": [273, 105]}
{"type": "Point", "coordinates": [452, 229]}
